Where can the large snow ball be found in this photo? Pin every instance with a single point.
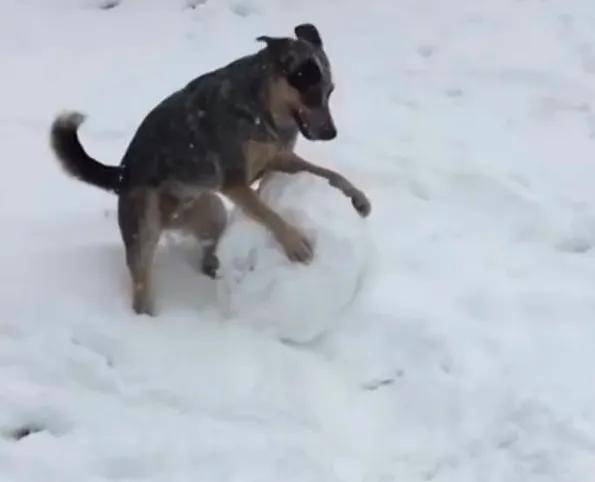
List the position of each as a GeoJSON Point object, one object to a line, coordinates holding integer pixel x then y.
{"type": "Point", "coordinates": [259, 285]}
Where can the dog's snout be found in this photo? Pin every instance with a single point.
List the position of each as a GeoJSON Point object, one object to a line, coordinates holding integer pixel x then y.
{"type": "Point", "coordinates": [328, 132]}
{"type": "Point", "coordinates": [316, 124]}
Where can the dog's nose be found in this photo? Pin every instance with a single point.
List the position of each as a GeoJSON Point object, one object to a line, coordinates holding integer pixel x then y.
{"type": "Point", "coordinates": [328, 132]}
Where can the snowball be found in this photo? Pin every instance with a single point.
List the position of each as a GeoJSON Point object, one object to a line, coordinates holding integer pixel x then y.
{"type": "Point", "coordinates": [294, 301]}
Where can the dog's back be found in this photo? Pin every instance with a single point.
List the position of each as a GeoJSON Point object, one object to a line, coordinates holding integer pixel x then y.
{"type": "Point", "coordinates": [196, 134]}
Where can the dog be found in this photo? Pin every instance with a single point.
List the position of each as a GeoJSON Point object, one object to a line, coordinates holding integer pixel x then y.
{"type": "Point", "coordinates": [217, 135]}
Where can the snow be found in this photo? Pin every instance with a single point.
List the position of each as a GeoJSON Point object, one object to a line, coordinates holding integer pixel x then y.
{"type": "Point", "coordinates": [454, 344]}
{"type": "Point", "coordinates": [292, 301]}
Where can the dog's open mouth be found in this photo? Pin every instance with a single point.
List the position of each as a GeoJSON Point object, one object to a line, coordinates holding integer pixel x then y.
{"type": "Point", "coordinates": [302, 124]}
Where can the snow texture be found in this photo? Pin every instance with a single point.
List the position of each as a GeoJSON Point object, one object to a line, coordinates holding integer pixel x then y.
{"type": "Point", "coordinates": [295, 302]}
{"type": "Point", "coordinates": [448, 337]}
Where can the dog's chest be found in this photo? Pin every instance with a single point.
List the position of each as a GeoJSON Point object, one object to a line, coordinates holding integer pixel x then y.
{"type": "Point", "coordinates": [259, 155]}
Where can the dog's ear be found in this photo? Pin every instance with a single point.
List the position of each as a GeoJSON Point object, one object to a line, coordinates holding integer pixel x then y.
{"type": "Point", "coordinates": [274, 43]}
{"type": "Point", "coordinates": [278, 48]}
{"type": "Point", "coordinates": [309, 33]}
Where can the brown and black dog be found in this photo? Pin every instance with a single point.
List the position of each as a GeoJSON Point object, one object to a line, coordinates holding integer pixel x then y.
{"type": "Point", "coordinates": [220, 133]}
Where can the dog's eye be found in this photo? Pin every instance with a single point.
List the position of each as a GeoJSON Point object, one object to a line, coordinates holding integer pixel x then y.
{"type": "Point", "coordinates": [305, 76]}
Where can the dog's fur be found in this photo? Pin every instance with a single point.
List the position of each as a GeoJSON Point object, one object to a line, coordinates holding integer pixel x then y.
{"type": "Point", "coordinates": [220, 133]}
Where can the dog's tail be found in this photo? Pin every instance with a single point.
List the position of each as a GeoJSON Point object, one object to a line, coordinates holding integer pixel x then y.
{"type": "Point", "coordinates": [73, 158]}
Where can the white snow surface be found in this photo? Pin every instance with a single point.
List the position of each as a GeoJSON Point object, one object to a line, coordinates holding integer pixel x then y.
{"type": "Point", "coordinates": [293, 301]}
{"type": "Point", "coordinates": [455, 340]}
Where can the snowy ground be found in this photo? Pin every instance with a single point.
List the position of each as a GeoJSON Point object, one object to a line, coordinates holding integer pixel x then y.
{"type": "Point", "coordinates": [467, 352]}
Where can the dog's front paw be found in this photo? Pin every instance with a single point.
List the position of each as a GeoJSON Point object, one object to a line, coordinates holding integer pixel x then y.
{"type": "Point", "coordinates": [296, 245]}
{"type": "Point", "coordinates": [361, 203]}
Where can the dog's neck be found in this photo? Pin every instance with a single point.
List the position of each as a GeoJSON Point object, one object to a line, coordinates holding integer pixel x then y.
{"type": "Point", "coordinates": [275, 102]}
{"type": "Point", "coordinates": [271, 95]}
{"type": "Point", "coordinates": [251, 90]}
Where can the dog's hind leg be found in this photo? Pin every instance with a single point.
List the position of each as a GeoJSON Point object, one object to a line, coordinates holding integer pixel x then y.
{"type": "Point", "coordinates": [205, 217]}
{"type": "Point", "coordinates": [140, 225]}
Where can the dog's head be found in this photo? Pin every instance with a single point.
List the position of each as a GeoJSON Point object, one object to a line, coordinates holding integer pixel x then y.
{"type": "Point", "coordinates": [302, 82]}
